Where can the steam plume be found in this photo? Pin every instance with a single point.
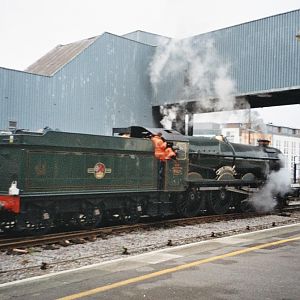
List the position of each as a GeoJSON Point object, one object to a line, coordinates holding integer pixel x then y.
{"type": "Point", "coordinates": [203, 76]}
{"type": "Point", "coordinates": [169, 115]}
{"type": "Point", "coordinates": [278, 183]}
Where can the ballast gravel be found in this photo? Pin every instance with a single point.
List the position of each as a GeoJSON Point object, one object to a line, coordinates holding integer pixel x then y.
{"type": "Point", "coordinates": [40, 261]}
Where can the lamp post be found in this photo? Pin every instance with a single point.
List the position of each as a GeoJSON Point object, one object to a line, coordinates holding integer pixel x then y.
{"type": "Point", "coordinates": [249, 126]}
{"type": "Point", "coordinates": [295, 169]}
{"type": "Point", "coordinates": [254, 134]}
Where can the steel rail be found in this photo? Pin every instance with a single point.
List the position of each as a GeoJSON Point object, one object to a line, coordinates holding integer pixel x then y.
{"type": "Point", "coordinates": [33, 241]}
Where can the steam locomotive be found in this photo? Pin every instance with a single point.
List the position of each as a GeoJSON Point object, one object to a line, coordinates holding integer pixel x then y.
{"type": "Point", "coordinates": [51, 179]}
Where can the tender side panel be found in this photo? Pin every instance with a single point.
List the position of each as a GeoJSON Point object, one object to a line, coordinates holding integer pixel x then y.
{"type": "Point", "coordinates": [58, 171]}
{"type": "Point", "coordinates": [10, 167]}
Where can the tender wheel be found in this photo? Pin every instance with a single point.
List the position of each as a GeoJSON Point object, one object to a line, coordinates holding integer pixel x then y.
{"type": "Point", "coordinates": [131, 212]}
{"type": "Point", "coordinates": [219, 202]}
{"type": "Point", "coordinates": [90, 217]}
{"type": "Point", "coordinates": [37, 221]}
{"type": "Point", "coordinates": [190, 204]}
{"type": "Point", "coordinates": [9, 225]}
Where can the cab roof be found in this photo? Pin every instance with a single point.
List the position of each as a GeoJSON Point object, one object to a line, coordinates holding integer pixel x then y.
{"type": "Point", "coordinates": [144, 132]}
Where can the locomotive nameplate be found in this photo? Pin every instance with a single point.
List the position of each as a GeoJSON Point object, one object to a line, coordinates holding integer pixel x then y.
{"type": "Point", "coordinates": [99, 170]}
{"type": "Point", "coordinates": [177, 169]}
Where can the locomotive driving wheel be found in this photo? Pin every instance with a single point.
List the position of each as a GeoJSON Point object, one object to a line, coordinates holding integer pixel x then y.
{"type": "Point", "coordinates": [220, 201]}
{"type": "Point", "coordinates": [244, 203]}
{"type": "Point", "coordinates": [245, 206]}
{"type": "Point", "coordinates": [191, 203]}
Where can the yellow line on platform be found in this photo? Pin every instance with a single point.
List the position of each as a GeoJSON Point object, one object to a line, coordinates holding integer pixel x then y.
{"type": "Point", "coordinates": [174, 269]}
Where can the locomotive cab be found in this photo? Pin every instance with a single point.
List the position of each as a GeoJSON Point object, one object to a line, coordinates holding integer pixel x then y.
{"type": "Point", "coordinates": [175, 170]}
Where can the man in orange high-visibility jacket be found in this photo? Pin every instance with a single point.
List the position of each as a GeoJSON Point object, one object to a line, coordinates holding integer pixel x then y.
{"type": "Point", "coordinates": [169, 153]}
{"type": "Point", "coordinates": [160, 146]}
{"type": "Point", "coordinates": [162, 153]}
{"type": "Point", "coordinates": [159, 151]}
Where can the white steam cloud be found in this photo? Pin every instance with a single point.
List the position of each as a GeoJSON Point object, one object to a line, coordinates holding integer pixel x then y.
{"type": "Point", "coordinates": [278, 183]}
{"type": "Point", "coordinates": [205, 77]}
{"type": "Point", "coordinates": [169, 115]}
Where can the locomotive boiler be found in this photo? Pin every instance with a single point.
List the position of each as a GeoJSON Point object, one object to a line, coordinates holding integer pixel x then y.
{"type": "Point", "coordinates": [51, 179]}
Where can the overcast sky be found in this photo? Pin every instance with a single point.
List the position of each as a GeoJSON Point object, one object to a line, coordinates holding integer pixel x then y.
{"type": "Point", "coordinates": [30, 28]}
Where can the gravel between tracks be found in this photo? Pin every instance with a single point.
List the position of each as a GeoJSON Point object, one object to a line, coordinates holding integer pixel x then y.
{"type": "Point", "coordinates": [14, 267]}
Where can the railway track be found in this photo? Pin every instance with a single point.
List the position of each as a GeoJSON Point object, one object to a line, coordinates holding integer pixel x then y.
{"type": "Point", "coordinates": [39, 262]}
{"type": "Point", "coordinates": [75, 237]}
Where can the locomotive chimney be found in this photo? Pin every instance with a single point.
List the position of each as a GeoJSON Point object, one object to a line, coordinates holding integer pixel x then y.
{"type": "Point", "coordinates": [263, 143]}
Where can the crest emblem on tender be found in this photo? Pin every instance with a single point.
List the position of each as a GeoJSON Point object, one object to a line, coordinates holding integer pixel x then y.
{"type": "Point", "coordinates": [99, 170]}
{"type": "Point", "coordinates": [40, 169]}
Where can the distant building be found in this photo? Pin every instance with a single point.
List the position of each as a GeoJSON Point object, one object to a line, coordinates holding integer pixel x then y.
{"type": "Point", "coordinates": [286, 139]}
{"type": "Point", "coordinates": [206, 129]}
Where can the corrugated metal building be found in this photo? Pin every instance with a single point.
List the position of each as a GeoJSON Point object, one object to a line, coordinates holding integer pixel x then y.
{"type": "Point", "coordinates": [263, 58]}
{"type": "Point", "coordinates": [103, 82]}
{"type": "Point", "coordinates": [88, 86]}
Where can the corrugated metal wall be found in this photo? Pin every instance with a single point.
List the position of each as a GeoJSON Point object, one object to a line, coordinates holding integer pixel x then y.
{"type": "Point", "coordinates": [105, 86]}
{"type": "Point", "coordinates": [263, 55]}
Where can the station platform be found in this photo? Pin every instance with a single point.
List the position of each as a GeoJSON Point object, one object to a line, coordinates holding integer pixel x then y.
{"type": "Point", "coordinates": [257, 265]}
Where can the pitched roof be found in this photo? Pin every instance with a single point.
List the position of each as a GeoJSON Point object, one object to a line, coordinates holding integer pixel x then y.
{"type": "Point", "coordinates": [145, 37]}
{"type": "Point", "coordinates": [55, 59]}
